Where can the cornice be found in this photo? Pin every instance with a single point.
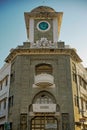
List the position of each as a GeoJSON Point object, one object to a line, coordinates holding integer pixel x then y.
{"type": "Point", "coordinates": [41, 14]}
{"type": "Point", "coordinates": [43, 51]}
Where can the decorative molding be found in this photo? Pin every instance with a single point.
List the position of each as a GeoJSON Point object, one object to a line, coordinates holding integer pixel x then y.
{"type": "Point", "coordinates": [44, 50]}
{"type": "Point", "coordinates": [43, 43]}
{"type": "Point", "coordinates": [35, 86]}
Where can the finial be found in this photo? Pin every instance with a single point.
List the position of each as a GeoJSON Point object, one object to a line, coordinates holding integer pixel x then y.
{"type": "Point", "coordinates": [43, 1]}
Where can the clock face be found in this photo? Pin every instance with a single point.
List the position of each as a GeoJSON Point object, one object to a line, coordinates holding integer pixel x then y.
{"type": "Point", "coordinates": [43, 26]}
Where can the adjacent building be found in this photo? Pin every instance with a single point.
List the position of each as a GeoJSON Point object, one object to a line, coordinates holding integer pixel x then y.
{"type": "Point", "coordinates": [48, 84]}
{"type": "Point", "coordinates": [4, 94]}
{"type": "Point", "coordinates": [81, 96]}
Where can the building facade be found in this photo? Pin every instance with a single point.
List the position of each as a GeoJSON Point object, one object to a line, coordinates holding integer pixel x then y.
{"type": "Point", "coordinates": [81, 96]}
{"type": "Point", "coordinates": [4, 94]}
{"type": "Point", "coordinates": [48, 84]}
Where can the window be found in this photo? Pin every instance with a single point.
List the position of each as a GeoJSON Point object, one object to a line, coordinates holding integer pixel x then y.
{"type": "Point", "coordinates": [74, 73]}
{"type": "Point", "coordinates": [0, 85]}
{"type": "Point", "coordinates": [84, 84]}
{"type": "Point", "coordinates": [82, 103]}
{"type": "Point", "coordinates": [44, 98]}
{"type": "Point", "coordinates": [6, 81]}
{"type": "Point", "coordinates": [73, 67]}
{"type": "Point", "coordinates": [74, 77]}
{"type": "Point", "coordinates": [11, 101]}
{"type": "Point", "coordinates": [0, 105]}
{"type": "Point", "coordinates": [86, 105]}
{"type": "Point", "coordinates": [4, 104]}
{"type": "Point", "coordinates": [76, 100]}
{"type": "Point", "coordinates": [80, 80]}
{"type": "Point", "coordinates": [12, 76]}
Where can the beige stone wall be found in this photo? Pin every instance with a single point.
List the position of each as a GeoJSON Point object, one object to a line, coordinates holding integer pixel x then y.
{"type": "Point", "coordinates": [23, 92]}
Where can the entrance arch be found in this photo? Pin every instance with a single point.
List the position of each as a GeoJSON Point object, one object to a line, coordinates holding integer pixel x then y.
{"type": "Point", "coordinates": [44, 108]}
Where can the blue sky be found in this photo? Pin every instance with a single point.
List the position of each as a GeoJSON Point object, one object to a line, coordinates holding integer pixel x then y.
{"type": "Point", "coordinates": [73, 28]}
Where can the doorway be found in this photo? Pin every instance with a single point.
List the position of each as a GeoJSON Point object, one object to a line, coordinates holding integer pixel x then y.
{"type": "Point", "coordinates": [44, 122]}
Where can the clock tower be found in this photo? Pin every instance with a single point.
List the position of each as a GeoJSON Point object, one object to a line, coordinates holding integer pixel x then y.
{"type": "Point", "coordinates": [43, 22]}
{"type": "Point", "coordinates": [43, 82]}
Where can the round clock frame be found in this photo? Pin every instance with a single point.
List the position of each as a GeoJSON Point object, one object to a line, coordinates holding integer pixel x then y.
{"type": "Point", "coordinates": [43, 26]}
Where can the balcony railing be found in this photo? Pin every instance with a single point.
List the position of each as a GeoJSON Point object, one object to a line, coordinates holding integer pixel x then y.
{"type": "Point", "coordinates": [44, 107]}
{"type": "Point", "coordinates": [44, 80]}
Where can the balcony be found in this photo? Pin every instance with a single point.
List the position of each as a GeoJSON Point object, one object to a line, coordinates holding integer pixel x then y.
{"type": "Point", "coordinates": [44, 80]}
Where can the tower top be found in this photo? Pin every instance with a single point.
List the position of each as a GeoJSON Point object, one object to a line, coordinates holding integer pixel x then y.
{"type": "Point", "coordinates": [43, 9]}
{"type": "Point", "coordinates": [43, 28]}
{"type": "Point", "coordinates": [43, 13]}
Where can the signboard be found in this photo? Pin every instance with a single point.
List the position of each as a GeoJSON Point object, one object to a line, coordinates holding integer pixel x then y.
{"type": "Point", "coordinates": [51, 125]}
{"type": "Point", "coordinates": [44, 107]}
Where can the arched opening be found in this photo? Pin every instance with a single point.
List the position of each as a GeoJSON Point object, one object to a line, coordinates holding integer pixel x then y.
{"type": "Point", "coordinates": [44, 112]}
{"type": "Point", "coordinates": [44, 75]}
{"type": "Point", "coordinates": [44, 97]}
{"type": "Point", "coordinates": [43, 68]}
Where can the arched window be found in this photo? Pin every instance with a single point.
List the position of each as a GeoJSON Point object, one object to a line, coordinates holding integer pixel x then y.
{"type": "Point", "coordinates": [43, 68]}
{"type": "Point", "coordinates": [44, 97]}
